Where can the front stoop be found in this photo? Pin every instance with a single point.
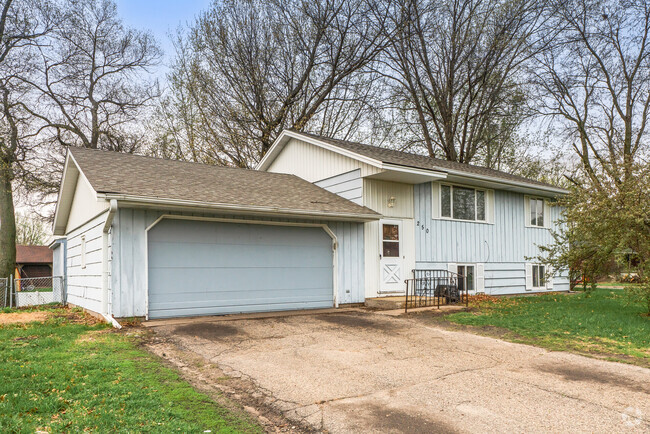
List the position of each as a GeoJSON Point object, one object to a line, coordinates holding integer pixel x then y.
{"type": "Point", "coordinates": [386, 303]}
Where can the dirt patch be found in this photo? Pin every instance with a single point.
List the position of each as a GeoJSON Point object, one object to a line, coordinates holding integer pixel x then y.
{"type": "Point", "coordinates": [358, 321]}
{"type": "Point", "coordinates": [93, 335]}
{"type": "Point", "coordinates": [23, 317]}
{"type": "Point", "coordinates": [208, 331]}
{"type": "Point", "coordinates": [385, 419]}
{"type": "Point", "coordinates": [571, 373]}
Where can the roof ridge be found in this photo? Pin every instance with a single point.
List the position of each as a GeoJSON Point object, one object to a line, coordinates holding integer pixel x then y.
{"type": "Point", "coordinates": [73, 149]}
{"type": "Point", "coordinates": [442, 164]}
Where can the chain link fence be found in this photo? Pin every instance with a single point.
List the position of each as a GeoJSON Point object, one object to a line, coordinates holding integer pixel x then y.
{"type": "Point", "coordinates": [4, 291]}
{"type": "Point", "coordinates": [34, 291]}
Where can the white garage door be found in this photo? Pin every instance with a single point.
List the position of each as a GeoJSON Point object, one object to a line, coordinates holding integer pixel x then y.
{"type": "Point", "coordinates": [215, 268]}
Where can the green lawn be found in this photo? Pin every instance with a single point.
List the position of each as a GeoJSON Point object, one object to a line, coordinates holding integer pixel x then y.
{"type": "Point", "coordinates": [69, 375]}
{"type": "Point", "coordinates": [602, 324]}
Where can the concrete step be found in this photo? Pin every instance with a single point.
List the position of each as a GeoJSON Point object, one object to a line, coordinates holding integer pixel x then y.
{"type": "Point", "coordinates": [386, 303]}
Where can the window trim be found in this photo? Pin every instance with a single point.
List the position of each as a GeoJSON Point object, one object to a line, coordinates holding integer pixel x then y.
{"type": "Point", "coordinates": [545, 212]}
{"type": "Point", "coordinates": [486, 199]}
{"type": "Point", "coordinates": [541, 278]}
{"type": "Point", "coordinates": [83, 251]}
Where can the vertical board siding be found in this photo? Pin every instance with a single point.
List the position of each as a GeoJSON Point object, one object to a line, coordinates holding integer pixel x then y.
{"type": "Point", "coordinates": [348, 185]}
{"type": "Point", "coordinates": [503, 246]}
{"type": "Point", "coordinates": [314, 163]}
{"type": "Point", "coordinates": [84, 285]}
{"type": "Point", "coordinates": [130, 246]}
{"type": "Point", "coordinates": [376, 194]}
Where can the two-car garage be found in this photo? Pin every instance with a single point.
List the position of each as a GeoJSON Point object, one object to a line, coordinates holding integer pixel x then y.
{"type": "Point", "coordinates": [223, 267]}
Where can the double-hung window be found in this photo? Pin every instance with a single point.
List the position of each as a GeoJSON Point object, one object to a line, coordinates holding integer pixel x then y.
{"type": "Point", "coordinates": [539, 276]}
{"type": "Point", "coordinates": [536, 216]}
{"type": "Point", "coordinates": [462, 203]}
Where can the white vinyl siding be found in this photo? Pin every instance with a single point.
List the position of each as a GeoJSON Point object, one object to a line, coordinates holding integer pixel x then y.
{"type": "Point", "coordinates": [314, 163]}
{"type": "Point", "coordinates": [348, 185]}
{"type": "Point", "coordinates": [84, 257]}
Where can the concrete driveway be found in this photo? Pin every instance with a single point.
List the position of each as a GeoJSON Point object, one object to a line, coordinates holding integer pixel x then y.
{"type": "Point", "coordinates": [365, 372]}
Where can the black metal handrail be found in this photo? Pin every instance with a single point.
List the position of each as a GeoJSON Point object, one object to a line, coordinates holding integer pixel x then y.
{"type": "Point", "coordinates": [435, 287]}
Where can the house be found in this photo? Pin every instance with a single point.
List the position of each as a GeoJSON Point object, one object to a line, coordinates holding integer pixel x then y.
{"type": "Point", "coordinates": [322, 222]}
{"type": "Point", "coordinates": [436, 214]}
{"type": "Point", "coordinates": [33, 261]}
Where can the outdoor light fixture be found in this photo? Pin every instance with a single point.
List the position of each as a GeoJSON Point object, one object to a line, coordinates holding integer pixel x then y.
{"type": "Point", "coordinates": [391, 201]}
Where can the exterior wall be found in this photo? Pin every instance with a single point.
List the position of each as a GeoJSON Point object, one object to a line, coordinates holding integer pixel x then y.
{"type": "Point", "coordinates": [58, 258]}
{"type": "Point", "coordinates": [314, 163]}
{"type": "Point", "coordinates": [84, 285]}
{"type": "Point", "coordinates": [347, 185]}
{"type": "Point", "coordinates": [502, 246]}
{"type": "Point", "coordinates": [129, 268]}
{"type": "Point", "coordinates": [85, 205]}
{"type": "Point", "coordinates": [375, 196]}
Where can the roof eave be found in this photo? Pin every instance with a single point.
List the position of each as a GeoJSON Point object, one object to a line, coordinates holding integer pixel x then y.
{"type": "Point", "coordinates": [144, 201]}
{"type": "Point", "coordinates": [287, 135]}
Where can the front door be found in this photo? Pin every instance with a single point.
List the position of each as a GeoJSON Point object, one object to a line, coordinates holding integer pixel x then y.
{"type": "Point", "coordinates": [391, 253]}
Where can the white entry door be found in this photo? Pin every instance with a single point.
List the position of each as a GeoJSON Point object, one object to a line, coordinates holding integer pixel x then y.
{"type": "Point", "coordinates": [391, 257]}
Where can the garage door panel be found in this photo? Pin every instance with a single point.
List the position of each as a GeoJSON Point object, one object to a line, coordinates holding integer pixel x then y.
{"type": "Point", "coordinates": [225, 310]}
{"type": "Point", "coordinates": [207, 268]}
{"type": "Point", "coordinates": [204, 280]}
{"type": "Point", "coordinates": [234, 255]}
{"type": "Point", "coordinates": [191, 231]}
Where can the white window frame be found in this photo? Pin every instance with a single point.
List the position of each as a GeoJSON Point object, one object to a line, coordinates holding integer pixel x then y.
{"type": "Point", "coordinates": [547, 276]}
{"type": "Point", "coordinates": [479, 273]}
{"type": "Point", "coordinates": [486, 206]}
{"type": "Point", "coordinates": [83, 251]}
{"type": "Point", "coordinates": [546, 215]}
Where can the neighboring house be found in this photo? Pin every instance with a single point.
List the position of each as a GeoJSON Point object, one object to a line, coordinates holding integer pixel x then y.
{"type": "Point", "coordinates": [33, 261]}
{"type": "Point", "coordinates": [437, 214]}
{"type": "Point", "coordinates": [344, 222]}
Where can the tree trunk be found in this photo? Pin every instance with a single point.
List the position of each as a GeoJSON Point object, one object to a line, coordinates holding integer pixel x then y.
{"type": "Point", "coordinates": [7, 222]}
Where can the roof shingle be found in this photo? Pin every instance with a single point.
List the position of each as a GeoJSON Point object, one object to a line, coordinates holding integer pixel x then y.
{"type": "Point", "coordinates": [155, 178]}
{"type": "Point", "coordinates": [417, 161]}
{"type": "Point", "coordinates": [33, 255]}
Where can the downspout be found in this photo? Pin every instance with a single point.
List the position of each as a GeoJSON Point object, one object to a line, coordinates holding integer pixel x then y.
{"type": "Point", "coordinates": [105, 270]}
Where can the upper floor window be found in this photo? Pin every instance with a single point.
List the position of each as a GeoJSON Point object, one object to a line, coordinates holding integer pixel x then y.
{"type": "Point", "coordinates": [462, 203]}
{"type": "Point", "coordinates": [536, 214]}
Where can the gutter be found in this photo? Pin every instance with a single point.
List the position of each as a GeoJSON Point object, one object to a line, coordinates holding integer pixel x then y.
{"type": "Point", "coordinates": [246, 209]}
{"type": "Point", "coordinates": [105, 270]}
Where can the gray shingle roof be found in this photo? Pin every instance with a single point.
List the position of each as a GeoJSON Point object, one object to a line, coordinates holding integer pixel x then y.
{"type": "Point", "coordinates": [155, 178]}
{"type": "Point", "coordinates": [408, 159]}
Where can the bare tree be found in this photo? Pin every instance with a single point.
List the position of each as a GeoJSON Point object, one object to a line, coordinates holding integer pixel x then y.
{"type": "Point", "coordinates": [595, 85]}
{"type": "Point", "coordinates": [23, 23]}
{"type": "Point", "coordinates": [96, 79]}
{"type": "Point", "coordinates": [247, 70]}
{"type": "Point", "coordinates": [456, 68]}
{"type": "Point", "coordinates": [30, 231]}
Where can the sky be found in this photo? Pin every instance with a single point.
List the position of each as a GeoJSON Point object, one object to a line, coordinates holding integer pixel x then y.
{"type": "Point", "coordinates": [160, 17]}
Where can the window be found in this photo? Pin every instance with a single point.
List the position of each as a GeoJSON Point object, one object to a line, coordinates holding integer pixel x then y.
{"type": "Point", "coordinates": [83, 251]}
{"type": "Point", "coordinates": [390, 240]}
{"type": "Point", "coordinates": [462, 203]}
{"type": "Point", "coordinates": [536, 217]}
{"type": "Point", "coordinates": [539, 276]}
{"type": "Point", "coordinates": [466, 275]}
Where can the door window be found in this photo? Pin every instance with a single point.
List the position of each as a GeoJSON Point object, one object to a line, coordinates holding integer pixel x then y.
{"type": "Point", "coordinates": [390, 240]}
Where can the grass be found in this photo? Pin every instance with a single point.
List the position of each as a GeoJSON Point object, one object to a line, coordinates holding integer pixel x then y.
{"type": "Point", "coordinates": [70, 375]}
{"type": "Point", "coordinates": [602, 324]}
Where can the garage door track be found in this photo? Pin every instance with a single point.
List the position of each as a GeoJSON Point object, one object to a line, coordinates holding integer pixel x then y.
{"type": "Point", "coordinates": [365, 372]}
